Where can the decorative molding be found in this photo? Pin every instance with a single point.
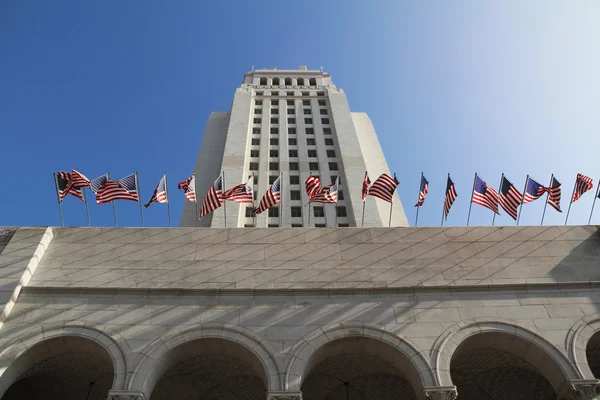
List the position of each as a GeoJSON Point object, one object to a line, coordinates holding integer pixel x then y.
{"type": "Point", "coordinates": [125, 395]}
{"type": "Point", "coordinates": [441, 392]}
{"type": "Point", "coordinates": [284, 396]}
{"type": "Point", "coordinates": [289, 87]}
{"type": "Point", "coordinates": [582, 389]}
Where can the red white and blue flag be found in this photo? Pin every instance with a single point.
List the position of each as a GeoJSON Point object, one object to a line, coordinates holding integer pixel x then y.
{"type": "Point", "coordinates": [533, 191]}
{"type": "Point", "coordinates": [312, 184]}
{"type": "Point", "coordinates": [160, 193]}
{"type": "Point", "coordinates": [327, 194]}
{"type": "Point", "coordinates": [123, 189]}
{"type": "Point", "coordinates": [64, 185]}
{"type": "Point", "coordinates": [384, 187]}
{"type": "Point", "coordinates": [510, 197]}
{"type": "Point", "coordinates": [271, 198]}
{"type": "Point", "coordinates": [485, 195]}
{"type": "Point", "coordinates": [79, 179]}
{"type": "Point", "coordinates": [554, 194]}
{"type": "Point", "coordinates": [451, 195]}
{"type": "Point", "coordinates": [189, 187]}
{"type": "Point", "coordinates": [365, 186]}
{"type": "Point", "coordinates": [243, 193]}
{"type": "Point", "coordinates": [582, 185]}
{"type": "Point", "coordinates": [213, 200]}
{"type": "Point", "coordinates": [423, 190]}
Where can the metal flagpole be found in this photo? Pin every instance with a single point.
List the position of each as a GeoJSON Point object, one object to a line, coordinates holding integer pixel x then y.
{"type": "Point", "coordinates": [336, 201]}
{"type": "Point", "coordinates": [253, 205]}
{"type": "Point", "coordinates": [547, 197]}
{"type": "Point", "coordinates": [391, 206]}
{"type": "Point", "coordinates": [417, 217]}
{"type": "Point", "coordinates": [363, 213]}
{"type": "Point", "coordinates": [195, 196]}
{"type": "Point", "coordinates": [593, 204]}
{"type": "Point", "coordinates": [224, 202]}
{"type": "Point", "coordinates": [168, 204]}
{"type": "Point", "coordinates": [114, 207]}
{"type": "Point", "coordinates": [62, 220]}
{"type": "Point", "coordinates": [137, 182]}
{"type": "Point", "coordinates": [308, 226]}
{"type": "Point", "coordinates": [499, 189]}
{"type": "Point", "coordinates": [571, 202]}
{"type": "Point", "coordinates": [471, 203]}
{"type": "Point", "coordinates": [281, 199]}
{"type": "Point", "coordinates": [87, 210]}
{"type": "Point", "coordinates": [522, 199]}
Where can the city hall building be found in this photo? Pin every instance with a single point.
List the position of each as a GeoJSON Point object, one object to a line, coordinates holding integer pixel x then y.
{"type": "Point", "coordinates": [241, 309]}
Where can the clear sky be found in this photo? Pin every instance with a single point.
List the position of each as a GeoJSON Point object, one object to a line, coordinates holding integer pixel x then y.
{"type": "Point", "coordinates": [451, 86]}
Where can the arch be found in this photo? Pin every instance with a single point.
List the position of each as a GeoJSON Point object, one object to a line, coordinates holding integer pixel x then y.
{"type": "Point", "coordinates": [301, 355]}
{"type": "Point", "coordinates": [152, 366]}
{"type": "Point", "coordinates": [13, 365]}
{"type": "Point", "coordinates": [275, 81]}
{"type": "Point", "coordinates": [312, 82]}
{"type": "Point", "coordinates": [541, 354]}
{"type": "Point", "coordinates": [577, 342]}
{"type": "Point", "coordinates": [263, 81]}
{"type": "Point", "coordinates": [288, 81]}
{"type": "Point", "coordinates": [300, 81]}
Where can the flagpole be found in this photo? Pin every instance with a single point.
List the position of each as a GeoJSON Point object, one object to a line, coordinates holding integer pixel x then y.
{"type": "Point", "coordinates": [522, 199]}
{"type": "Point", "coordinates": [224, 202]}
{"type": "Point", "coordinates": [391, 206]}
{"type": "Point", "coordinates": [196, 201]}
{"type": "Point", "coordinates": [253, 205]}
{"type": "Point", "coordinates": [471, 203]}
{"type": "Point", "coordinates": [499, 189]}
{"type": "Point", "coordinates": [137, 182]}
{"type": "Point", "coordinates": [571, 202]}
{"type": "Point", "coordinates": [168, 204]}
{"type": "Point", "coordinates": [362, 224]}
{"type": "Point", "coordinates": [281, 199]}
{"type": "Point", "coordinates": [87, 210]}
{"type": "Point", "coordinates": [547, 197]}
{"type": "Point", "coordinates": [114, 207]}
{"type": "Point", "coordinates": [444, 205]}
{"type": "Point", "coordinates": [308, 226]}
{"type": "Point", "coordinates": [62, 220]}
{"type": "Point", "coordinates": [417, 217]}
{"type": "Point", "coordinates": [336, 201]}
{"type": "Point", "coordinates": [593, 204]}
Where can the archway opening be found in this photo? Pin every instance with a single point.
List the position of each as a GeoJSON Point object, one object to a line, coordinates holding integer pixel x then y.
{"type": "Point", "coordinates": [209, 369]}
{"type": "Point", "coordinates": [500, 366]}
{"type": "Point", "coordinates": [592, 353]}
{"type": "Point", "coordinates": [67, 367]}
{"type": "Point", "coordinates": [355, 368]}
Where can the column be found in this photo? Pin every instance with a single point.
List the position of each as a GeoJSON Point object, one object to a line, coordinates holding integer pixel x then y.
{"type": "Point", "coordinates": [125, 395]}
{"type": "Point", "coordinates": [284, 396]}
{"type": "Point", "coordinates": [440, 392]}
{"type": "Point", "coordinates": [581, 389]}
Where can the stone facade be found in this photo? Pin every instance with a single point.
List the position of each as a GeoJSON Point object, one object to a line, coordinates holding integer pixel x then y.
{"type": "Point", "coordinates": [293, 131]}
{"type": "Point", "coordinates": [188, 313]}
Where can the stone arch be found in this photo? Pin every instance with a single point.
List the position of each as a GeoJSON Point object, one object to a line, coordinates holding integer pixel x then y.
{"type": "Point", "coordinates": [541, 354]}
{"type": "Point", "coordinates": [417, 369]}
{"type": "Point", "coordinates": [38, 344]}
{"type": "Point", "coordinates": [578, 339]}
{"type": "Point", "coordinates": [156, 358]}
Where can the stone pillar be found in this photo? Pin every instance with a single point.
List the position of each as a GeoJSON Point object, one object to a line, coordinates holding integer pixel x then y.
{"type": "Point", "coordinates": [284, 396]}
{"type": "Point", "coordinates": [125, 395]}
{"type": "Point", "coordinates": [440, 392]}
{"type": "Point", "coordinates": [582, 389]}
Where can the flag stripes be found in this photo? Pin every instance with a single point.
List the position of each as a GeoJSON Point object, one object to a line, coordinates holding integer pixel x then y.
{"type": "Point", "coordinates": [79, 180]}
{"type": "Point", "coordinates": [423, 190]}
{"type": "Point", "coordinates": [123, 189]}
{"type": "Point", "coordinates": [327, 194]}
{"type": "Point", "coordinates": [160, 193]}
{"type": "Point", "coordinates": [212, 201]}
{"type": "Point", "coordinates": [272, 197]}
{"type": "Point", "coordinates": [533, 191]}
{"type": "Point", "coordinates": [582, 185]}
{"type": "Point", "coordinates": [365, 186]}
{"type": "Point", "coordinates": [451, 195]}
{"type": "Point", "coordinates": [312, 184]}
{"type": "Point", "coordinates": [189, 187]}
{"type": "Point", "coordinates": [510, 197]}
{"type": "Point", "coordinates": [64, 181]}
{"type": "Point", "coordinates": [554, 194]}
{"type": "Point", "coordinates": [485, 195]}
{"type": "Point", "coordinates": [243, 193]}
{"type": "Point", "coordinates": [384, 187]}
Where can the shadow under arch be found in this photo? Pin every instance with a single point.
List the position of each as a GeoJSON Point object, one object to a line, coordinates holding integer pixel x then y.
{"type": "Point", "coordinates": [531, 347]}
{"type": "Point", "coordinates": [20, 355]}
{"type": "Point", "coordinates": [584, 333]}
{"type": "Point", "coordinates": [177, 345]}
{"type": "Point", "coordinates": [403, 355]}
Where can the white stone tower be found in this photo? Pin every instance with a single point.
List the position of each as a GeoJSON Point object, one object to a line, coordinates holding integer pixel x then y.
{"type": "Point", "coordinates": [291, 123]}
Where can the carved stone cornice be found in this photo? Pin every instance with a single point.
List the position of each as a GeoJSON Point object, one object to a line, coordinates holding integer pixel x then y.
{"type": "Point", "coordinates": [284, 396]}
{"type": "Point", "coordinates": [583, 389]}
{"type": "Point", "coordinates": [440, 392]}
{"type": "Point", "coordinates": [125, 395]}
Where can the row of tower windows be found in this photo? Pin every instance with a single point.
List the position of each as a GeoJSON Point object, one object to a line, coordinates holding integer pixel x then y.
{"type": "Point", "coordinates": [304, 94]}
{"type": "Point", "coordinates": [291, 121]}
{"type": "Point", "coordinates": [291, 142]}
{"type": "Point", "coordinates": [318, 212]}
{"type": "Point", "coordinates": [322, 103]}
{"type": "Point", "coordinates": [290, 111]}
{"type": "Point", "coordinates": [289, 81]}
{"type": "Point", "coordinates": [293, 166]}
{"type": "Point", "coordinates": [292, 153]}
{"type": "Point", "coordinates": [294, 180]}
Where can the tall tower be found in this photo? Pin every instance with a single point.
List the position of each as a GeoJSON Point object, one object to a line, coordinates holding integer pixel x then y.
{"type": "Point", "coordinates": [291, 123]}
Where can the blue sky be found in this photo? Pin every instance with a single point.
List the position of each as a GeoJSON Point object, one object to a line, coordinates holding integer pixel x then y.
{"type": "Point", "coordinates": [460, 87]}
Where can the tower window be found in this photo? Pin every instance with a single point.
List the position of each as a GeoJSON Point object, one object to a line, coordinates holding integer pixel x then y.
{"type": "Point", "coordinates": [272, 179]}
{"type": "Point", "coordinates": [308, 121]}
{"type": "Point", "coordinates": [258, 111]}
{"type": "Point", "coordinates": [325, 121]}
{"type": "Point", "coordinates": [274, 131]}
{"type": "Point", "coordinates": [259, 93]}
{"type": "Point", "coordinates": [328, 142]}
{"type": "Point", "coordinates": [253, 166]}
{"type": "Point", "coordinates": [323, 111]}
{"type": "Point", "coordinates": [331, 153]}
{"type": "Point", "coordinates": [293, 166]}
{"type": "Point", "coordinates": [290, 102]}
{"type": "Point", "coordinates": [256, 131]}
{"type": "Point", "coordinates": [291, 131]}
{"type": "Point", "coordinates": [276, 81]}
{"type": "Point", "coordinates": [249, 212]}
{"type": "Point", "coordinates": [296, 212]}
{"type": "Point", "coordinates": [257, 120]}
{"type": "Point", "coordinates": [341, 211]}
{"type": "Point", "coordinates": [310, 142]}
{"type": "Point", "coordinates": [310, 131]}
{"type": "Point", "coordinates": [263, 81]}
{"type": "Point", "coordinates": [293, 153]}
{"type": "Point", "coordinates": [274, 213]}
{"type": "Point", "coordinates": [327, 131]}
{"type": "Point", "coordinates": [333, 166]}
{"type": "Point", "coordinates": [274, 102]}
{"type": "Point", "coordinates": [291, 111]}
{"type": "Point", "coordinates": [274, 110]}
{"type": "Point", "coordinates": [295, 195]}
{"type": "Point", "coordinates": [274, 121]}
{"type": "Point", "coordinates": [322, 103]}
{"type": "Point", "coordinates": [274, 142]}
{"type": "Point", "coordinates": [320, 93]}
{"type": "Point", "coordinates": [306, 102]}
{"type": "Point", "coordinates": [254, 153]}
{"type": "Point", "coordinates": [312, 153]}
{"type": "Point", "coordinates": [255, 142]}
{"type": "Point", "coordinates": [290, 93]}
{"type": "Point", "coordinates": [274, 93]}
{"type": "Point", "coordinates": [300, 81]}
{"type": "Point", "coordinates": [296, 225]}
{"type": "Point", "coordinates": [294, 180]}
{"type": "Point", "coordinates": [258, 102]}
{"type": "Point", "coordinates": [292, 142]}
{"type": "Point", "coordinates": [288, 81]}
{"type": "Point", "coordinates": [318, 212]}
{"type": "Point", "coordinates": [340, 195]}
{"type": "Point", "coordinates": [273, 153]}
{"type": "Point", "coordinates": [307, 111]}
{"type": "Point", "coordinates": [313, 166]}
{"type": "Point", "coordinates": [292, 121]}
{"type": "Point", "coordinates": [312, 82]}
{"type": "Point", "coordinates": [305, 93]}
{"type": "Point", "coordinates": [273, 166]}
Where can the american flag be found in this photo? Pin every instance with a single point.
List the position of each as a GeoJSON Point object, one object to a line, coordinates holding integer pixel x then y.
{"type": "Point", "coordinates": [271, 198]}
{"type": "Point", "coordinates": [365, 186]}
{"type": "Point", "coordinates": [189, 187]}
{"type": "Point", "coordinates": [554, 193]}
{"type": "Point", "coordinates": [243, 193]}
{"type": "Point", "coordinates": [533, 191]}
{"type": "Point", "coordinates": [422, 191]}
{"type": "Point", "coordinates": [212, 201]}
{"type": "Point", "coordinates": [451, 195]}
{"type": "Point", "coordinates": [582, 185]}
{"type": "Point", "coordinates": [384, 187]}
{"type": "Point", "coordinates": [485, 195]}
{"type": "Point", "coordinates": [97, 183]}
{"type": "Point", "coordinates": [327, 194]}
{"type": "Point", "coordinates": [510, 197]}
{"type": "Point", "coordinates": [312, 185]}
{"type": "Point", "coordinates": [160, 193]}
{"type": "Point", "coordinates": [79, 179]}
{"type": "Point", "coordinates": [123, 189]}
{"type": "Point", "coordinates": [64, 182]}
